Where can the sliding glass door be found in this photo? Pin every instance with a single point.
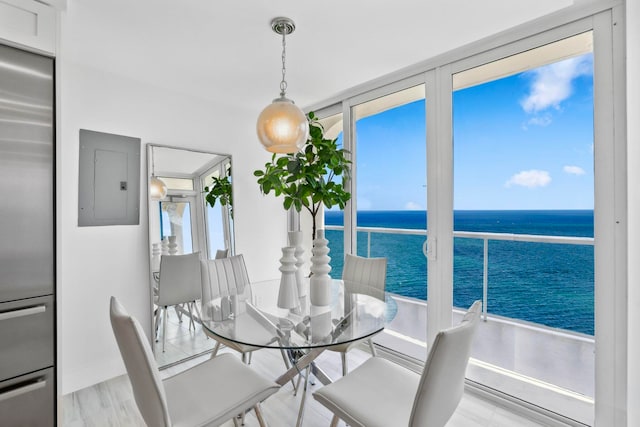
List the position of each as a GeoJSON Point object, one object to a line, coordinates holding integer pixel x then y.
{"type": "Point", "coordinates": [523, 222]}
{"type": "Point", "coordinates": [522, 161]}
{"type": "Point", "coordinates": [389, 136]}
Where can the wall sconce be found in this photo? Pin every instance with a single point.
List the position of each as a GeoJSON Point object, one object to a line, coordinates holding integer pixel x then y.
{"type": "Point", "coordinates": [157, 187]}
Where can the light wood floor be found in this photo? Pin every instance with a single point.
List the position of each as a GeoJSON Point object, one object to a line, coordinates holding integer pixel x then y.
{"type": "Point", "coordinates": [111, 403]}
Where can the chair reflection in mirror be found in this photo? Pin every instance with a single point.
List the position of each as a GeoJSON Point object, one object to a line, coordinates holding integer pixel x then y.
{"type": "Point", "coordinates": [178, 284]}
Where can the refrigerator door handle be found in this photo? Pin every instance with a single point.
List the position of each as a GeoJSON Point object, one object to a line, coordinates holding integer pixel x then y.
{"type": "Point", "coordinates": [23, 312]}
{"type": "Point", "coordinates": [22, 390]}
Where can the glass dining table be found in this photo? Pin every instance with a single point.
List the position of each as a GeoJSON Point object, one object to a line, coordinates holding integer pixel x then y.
{"type": "Point", "coordinates": [301, 333]}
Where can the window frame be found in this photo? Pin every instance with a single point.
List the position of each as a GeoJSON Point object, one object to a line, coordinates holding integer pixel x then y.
{"type": "Point", "coordinates": [610, 180]}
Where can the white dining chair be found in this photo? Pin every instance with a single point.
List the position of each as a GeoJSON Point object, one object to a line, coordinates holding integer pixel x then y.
{"type": "Point", "coordinates": [210, 393]}
{"type": "Point", "coordinates": [225, 277]}
{"type": "Point", "coordinates": [178, 284]}
{"type": "Point", "coordinates": [362, 276]}
{"type": "Point", "coordinates": [380, 393]}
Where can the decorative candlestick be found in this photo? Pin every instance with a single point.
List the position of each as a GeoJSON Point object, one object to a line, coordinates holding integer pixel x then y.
{"type": "Point", "coordinates": [155, 256]}
{"type": "Point", "coordinates": [173, 246]}
{"type": "Point", "coordinates": [288, 294]}
{"type": "Point", "coordinates": [295, 240]}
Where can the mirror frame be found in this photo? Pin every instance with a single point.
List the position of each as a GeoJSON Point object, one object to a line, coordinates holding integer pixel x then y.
{"type": "Point", "coordinates": [201, 226]}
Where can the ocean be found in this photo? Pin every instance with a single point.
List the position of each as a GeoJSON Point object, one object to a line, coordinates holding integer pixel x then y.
{"type": "Point", "coordinates": [548, 284]}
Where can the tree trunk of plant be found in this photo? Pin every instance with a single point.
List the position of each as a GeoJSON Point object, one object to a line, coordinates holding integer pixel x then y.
{"type": "Point", "coordinates": [313, 229]}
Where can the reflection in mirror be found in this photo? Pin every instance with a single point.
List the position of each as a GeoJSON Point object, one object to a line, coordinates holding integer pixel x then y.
{"type": "Point", "coordinates": [187, 220]}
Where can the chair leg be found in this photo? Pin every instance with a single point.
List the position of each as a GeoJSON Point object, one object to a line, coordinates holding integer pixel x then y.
{"type": "Point", "coordinates": [215, 350]}
{"type": "Point", "coordinates": [195, 304]}
{"type": "Point", "coordinates": [157, 317]}
{"type": "Point", "coordinates": [334, 421]}
{"type": "Point", "coordinates": [164, 326]}
{"type": "Point", "coordinates": [191, 322]}
{"type": "Point", "coordinates": [259, 416]}
{"type": "Point", "coordinates": [244, 358]}
{"type": "Point", "coordinates": [235, 422]}
{"type": "Point", "coordinates": [343, 355]}
{"type": "Point", "coordinates": [372, 347]}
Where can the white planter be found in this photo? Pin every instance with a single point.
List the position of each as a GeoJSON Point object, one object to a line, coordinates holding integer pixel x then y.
{"type": "Point", "coordinates": [320, 284]}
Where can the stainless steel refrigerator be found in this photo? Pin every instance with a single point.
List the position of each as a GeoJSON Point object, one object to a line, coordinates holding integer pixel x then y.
{"type": "Point", "coordinates": [27, 239]}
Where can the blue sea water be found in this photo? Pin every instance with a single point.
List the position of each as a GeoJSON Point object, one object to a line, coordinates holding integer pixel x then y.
{"type": "Point", "coordinates": [549, 284]}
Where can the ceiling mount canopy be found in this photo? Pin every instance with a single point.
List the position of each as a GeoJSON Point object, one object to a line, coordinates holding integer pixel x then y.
{"type": "Point", "coordinates": [283, 25]}
{"type": "Point", "coordinates": [282, 127]}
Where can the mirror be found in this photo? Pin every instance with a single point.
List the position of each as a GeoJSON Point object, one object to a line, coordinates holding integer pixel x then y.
{"type": "Point", "coordinates": [181, 223]}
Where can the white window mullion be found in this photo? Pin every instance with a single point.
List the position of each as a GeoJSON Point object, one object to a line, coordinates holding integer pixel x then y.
{"type": "Point", "coordinates": [350, 232]}
{"type": "Point", "coordinates": [610, 223]}
{"type": "Point", "coordinates": [439, 200]}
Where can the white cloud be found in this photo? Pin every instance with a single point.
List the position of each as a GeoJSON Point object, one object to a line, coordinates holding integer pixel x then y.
{"type": "Point", "coordinates": [540, 120]}
{"type": "Point", "coordinates": [552, 83]}
{"type": "Point", "coordinates": [574, 170]}
{"type": "Point", "coordinates": [413, 206]}
{"type": "Point", "coordinates": [531, 179]}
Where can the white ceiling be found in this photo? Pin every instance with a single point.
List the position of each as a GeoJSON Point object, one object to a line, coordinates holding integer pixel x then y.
{"type": "Point", "coordinates": [225, 51]}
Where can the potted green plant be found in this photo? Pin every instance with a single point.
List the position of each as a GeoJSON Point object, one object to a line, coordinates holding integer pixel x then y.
{"type": "Point", "coordinates": [220, 189]}
{"type": "Point", "coordinates": [309, 178]}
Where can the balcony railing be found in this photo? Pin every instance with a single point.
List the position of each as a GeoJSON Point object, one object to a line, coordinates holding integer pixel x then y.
{"type": "Point", "coordinates": [506, 356]}
{"type": "Point", "coordinates": [485, 237]}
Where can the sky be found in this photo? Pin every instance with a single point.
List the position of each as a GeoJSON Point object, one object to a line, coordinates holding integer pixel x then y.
{"type": "Point", "coordinates": [520, 142]}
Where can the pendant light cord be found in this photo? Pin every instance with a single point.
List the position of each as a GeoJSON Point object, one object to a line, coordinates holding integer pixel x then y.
{"type": "Point", "coordinates": [283, 83]}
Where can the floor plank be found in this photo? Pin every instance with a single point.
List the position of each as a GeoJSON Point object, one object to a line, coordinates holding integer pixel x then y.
{"type": "Point", "coordinates": [111, 403]}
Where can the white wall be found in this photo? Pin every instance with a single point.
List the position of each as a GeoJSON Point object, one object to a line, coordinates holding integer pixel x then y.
{"type": "Point", "coordinates": [633, 162]}
{"type": "Point", "coordinates": [97, 262]}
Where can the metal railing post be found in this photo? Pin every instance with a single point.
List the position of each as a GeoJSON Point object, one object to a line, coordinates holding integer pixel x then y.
{"type": "Point", "coordinates": [485, 278]}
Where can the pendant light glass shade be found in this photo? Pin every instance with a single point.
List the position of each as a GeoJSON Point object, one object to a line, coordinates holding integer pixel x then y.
{"type": "Point", "coordinates": [282, 127]}
{"type": "Point", "coordinates": [157, 188]}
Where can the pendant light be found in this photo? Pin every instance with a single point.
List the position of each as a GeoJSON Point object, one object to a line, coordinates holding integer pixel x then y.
{"type": "Point", "coordinates": [157, 187]}
{"type": "Point", "coordinates": [282, 126]}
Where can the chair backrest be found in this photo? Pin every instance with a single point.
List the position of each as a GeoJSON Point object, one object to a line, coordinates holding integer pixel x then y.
{"type": "Point", "coordinates": [179, 279]}
{"type": "Point", "coordinates": [442, 381]}
{"type": "Point", "coordinates": [224, 277]}
{"type": "Point", "coordinates": [143, 372]}
{"type": "Point", "coordinates": [222, 253]}
{"type": "Point", "coordinates": [365, 275]}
